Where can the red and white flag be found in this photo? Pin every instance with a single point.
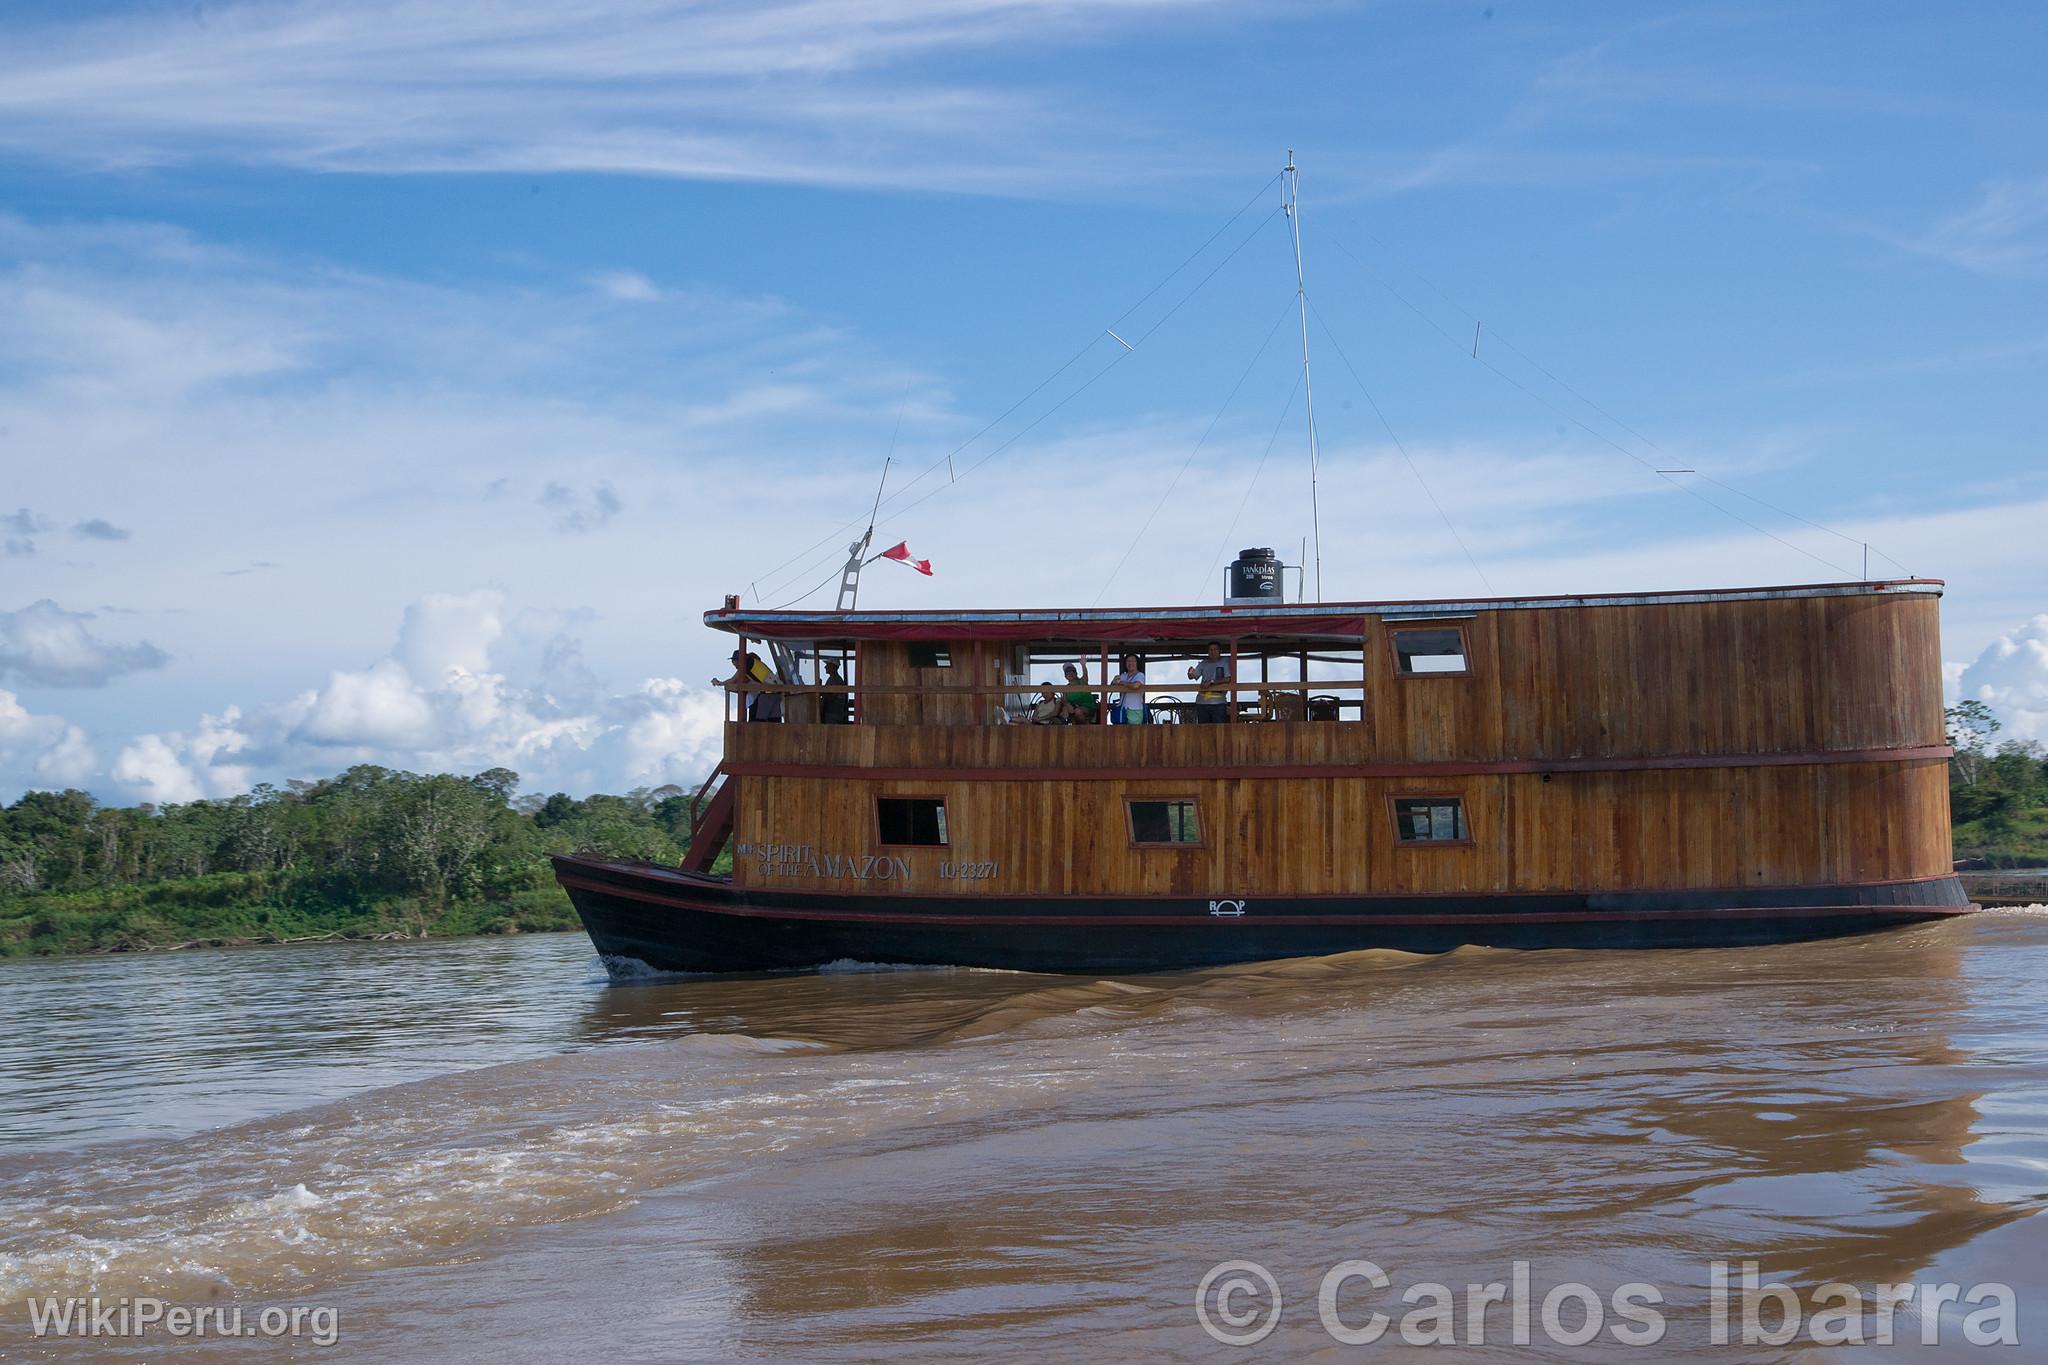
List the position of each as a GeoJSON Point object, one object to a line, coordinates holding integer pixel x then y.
{"type": "Point", "coordinates": [900, 552]}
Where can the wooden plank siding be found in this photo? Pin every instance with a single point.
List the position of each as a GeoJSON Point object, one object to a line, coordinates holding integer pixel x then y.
{"type": "Point", "coordinates": [1665, 686]}
{"type": "Point", "coordinates": [1667, 830]}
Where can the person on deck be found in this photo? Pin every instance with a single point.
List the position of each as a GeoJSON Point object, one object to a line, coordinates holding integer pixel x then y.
{"type": "Point", "coordinates": [1050, 708]}
{"type": "Point", "coordinates": [747, 668]}
{"type": "Point", "coordinates": [1211, 705]}
{"type": "Point", "coordinates": [1083, 707]}
{"type": "Point", "coordinates": [835, 708]}
{"type": "Point", "coordinates": [1129, 708]}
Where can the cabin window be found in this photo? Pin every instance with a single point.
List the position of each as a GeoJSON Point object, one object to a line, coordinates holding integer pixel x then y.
{"type": "Point", "coordinates": [919, 821]}
{"type": "Point", "coordinates": [1430, 820]}
{"type": "Point", "coordinates": [930, 656]}
{"type": "Point", "coordinates": [1165, 822]}
{"type": "Point", "coordinates": [1438, 649]}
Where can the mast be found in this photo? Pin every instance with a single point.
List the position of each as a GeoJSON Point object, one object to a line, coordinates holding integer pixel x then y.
{"type": "Point", "coordinates": [1290, 183]}
{"type": "Point", "coordinates": [849, 578]}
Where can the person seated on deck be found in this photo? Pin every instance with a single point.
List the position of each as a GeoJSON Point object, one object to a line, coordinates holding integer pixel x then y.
{"type": "Point", "coordinates": [1211, 706]}
{"type": "Point", "coordinates": [1083, 707]}
{"type": "Point", "coordinates": [835, 708]}
{"type": "Point", "coordinates": [1129, 706]}
{"type": "Point", "coordinates": [1050, 709]}
{"type": "Point", "coordinates": [747, 668]}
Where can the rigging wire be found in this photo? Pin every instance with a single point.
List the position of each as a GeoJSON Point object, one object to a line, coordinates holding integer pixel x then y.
{"type": "Point", "coordinates": [1406, 459]}
{"type": "Point", "coordinates": [947, 460]}
{"type": "Point", "coordinates": [1188, 463]}
{"type": "Point", "coordinates": [1130, 349]}
{"type": "Point", "coordinates": [1599, 435]}
{"type": "Point", "coordinates": [1245, 501]}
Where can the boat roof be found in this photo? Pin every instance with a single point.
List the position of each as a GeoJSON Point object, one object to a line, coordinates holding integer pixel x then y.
{"type": "Point", "coordinates": [1295, 619]}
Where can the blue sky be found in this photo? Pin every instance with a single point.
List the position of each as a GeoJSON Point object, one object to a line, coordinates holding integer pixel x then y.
{"type": "Point", "coordinates": [398, 382]}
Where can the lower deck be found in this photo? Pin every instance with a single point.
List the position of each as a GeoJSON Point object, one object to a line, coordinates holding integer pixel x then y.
{"type": "Point", "coordinates": [1773, 824]}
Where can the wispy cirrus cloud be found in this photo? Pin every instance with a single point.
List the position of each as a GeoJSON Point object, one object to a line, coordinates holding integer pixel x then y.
{"type": "Point", "coordinates": [791, 90]}
{"type": "Point", "coordinates": [2005, 232]}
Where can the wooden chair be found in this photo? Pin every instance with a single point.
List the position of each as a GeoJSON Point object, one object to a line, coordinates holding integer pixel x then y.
{"type": "Point", "coordinates": [1282, 706]}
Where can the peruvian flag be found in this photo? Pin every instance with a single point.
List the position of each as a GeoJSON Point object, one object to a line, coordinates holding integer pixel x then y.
{"type": "Point", "coordinates": [900, 552]}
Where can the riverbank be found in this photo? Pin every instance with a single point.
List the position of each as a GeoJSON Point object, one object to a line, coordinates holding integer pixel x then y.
{"type": "Point", "coordinates": [235, 909]}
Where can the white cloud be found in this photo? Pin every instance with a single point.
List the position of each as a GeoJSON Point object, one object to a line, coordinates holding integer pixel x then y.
{"type": "Point", "coordinates": [42, 750]}
{"type": "Point", "coordinates": [152, 769]}
{"type": "Point", "coordinates": [2011, 677]}
{"type": "Point", "coordinates": [379, 707]}
{"type": "Point", "coordinates": [70, 762]}
{"type": "Point", "coordinates": [45, 645]}
{"type": "Point", "coordinates": [2004, 233]}
{"type": "Point", "coordinates": [627, 286]}
{"type": "Point", "coordinates": [737, 89]}
{"type": "Point", "coordinates": [472, 683]}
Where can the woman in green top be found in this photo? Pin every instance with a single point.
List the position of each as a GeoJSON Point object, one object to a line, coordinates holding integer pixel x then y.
{"type": "Point", "coordinates": [1081, 703]}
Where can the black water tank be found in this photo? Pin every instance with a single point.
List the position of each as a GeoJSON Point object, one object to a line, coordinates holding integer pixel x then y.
{"type": "Point", "coordinates": [1254, 577]}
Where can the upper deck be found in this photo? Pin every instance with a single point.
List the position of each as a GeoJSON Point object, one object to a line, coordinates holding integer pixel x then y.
{"type": "Point", "coordinates": [1810, 673]}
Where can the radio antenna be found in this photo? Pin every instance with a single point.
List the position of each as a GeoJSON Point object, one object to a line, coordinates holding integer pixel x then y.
{"type": "Point", "coordinates": [856, 553]}
{"type": "Point", "coordinates": [1289, 185]}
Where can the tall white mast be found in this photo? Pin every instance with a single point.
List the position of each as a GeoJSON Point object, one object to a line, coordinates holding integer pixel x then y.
{"type": "Point", "coordinates": [1290, 183]}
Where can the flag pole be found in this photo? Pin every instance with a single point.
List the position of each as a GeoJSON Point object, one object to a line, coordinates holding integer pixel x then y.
{"type": "Point", "coordinates": [856, 553]}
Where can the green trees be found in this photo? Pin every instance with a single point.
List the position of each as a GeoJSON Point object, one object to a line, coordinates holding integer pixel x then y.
{"type": "Point", "coordinates": [1998, 799]}
{"type": "Point", "coordinates": [369, 850]}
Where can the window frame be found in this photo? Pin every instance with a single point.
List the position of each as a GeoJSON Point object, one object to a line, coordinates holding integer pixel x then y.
{"type": "Point", "coordinates": [1464, 648]}
{"type": "Point", "coordinates": [1201, 838]}
{"type": "Point", "coordinates": [945, 818]}
{"type": "Point", "coordinates": [941, 652]}
{"type": "Point", "coordinates": [1394, 800]}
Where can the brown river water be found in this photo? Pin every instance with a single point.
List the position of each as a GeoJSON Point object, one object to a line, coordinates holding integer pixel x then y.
{"type": "Point", "coordinates": [486, 1151]}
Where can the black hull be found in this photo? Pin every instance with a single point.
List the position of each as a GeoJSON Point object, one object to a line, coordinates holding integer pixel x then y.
{"type": "Point", "coordinates": [682, 922]}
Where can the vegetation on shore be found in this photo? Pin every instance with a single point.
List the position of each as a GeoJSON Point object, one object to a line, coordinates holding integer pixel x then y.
{"type": "Point", "coordinates": [1998, 792]}
{"type": "Point", "coordinates": [370, 853]}
{"type": "Point", "coordinates": [374, 853]}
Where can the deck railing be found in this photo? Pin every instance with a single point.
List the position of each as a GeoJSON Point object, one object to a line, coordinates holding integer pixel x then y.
{"type": "Point", "coordinates": [1321, 699]}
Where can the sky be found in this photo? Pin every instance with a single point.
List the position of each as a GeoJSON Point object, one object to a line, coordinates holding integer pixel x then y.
{"type": "Point", "coordinates": [400, 382]}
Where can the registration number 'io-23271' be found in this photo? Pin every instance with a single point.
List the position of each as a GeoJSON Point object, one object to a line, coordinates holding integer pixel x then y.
{"type": "Point", "coordinates": [967, 872]}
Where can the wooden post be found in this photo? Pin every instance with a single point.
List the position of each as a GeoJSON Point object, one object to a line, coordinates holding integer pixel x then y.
{"type": "Point", "coordinates": [979, 700]}
{"type": "Point", "coordinates": [1230, 695]}
{"type": "Point", "coordinates": [1102, 697]}
{"type": "Point", "coordinates": [741, 671]}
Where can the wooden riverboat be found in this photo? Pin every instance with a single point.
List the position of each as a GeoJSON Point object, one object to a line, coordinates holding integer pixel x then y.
{"type": "Point", "coordinates": [1660, 769]}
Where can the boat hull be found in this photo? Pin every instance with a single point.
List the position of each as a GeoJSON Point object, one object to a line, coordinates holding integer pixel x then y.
{"type": "Point", "coordinates": [684, 922]}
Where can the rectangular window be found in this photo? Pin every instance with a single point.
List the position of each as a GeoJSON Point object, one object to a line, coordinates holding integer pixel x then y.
{"type": "Point", "coordinates": [916, 820]}
{"type": "Point", "coordinates": [1164, 822]}
{"type": "Point", "coordinates": [1438, 649]}
{"type": "Point", "coordinates": [1429, 820]}
{"type": "Point", "coordinates": [930, 656]}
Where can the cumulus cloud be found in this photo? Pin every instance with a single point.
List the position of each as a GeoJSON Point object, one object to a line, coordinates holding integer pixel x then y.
{"type": "Point", "coordinates": [99, 528]}
{"type": "Point", "coordinates": [2011, 677]}
{"type": "Point", "coordinates": [45, 645]}
{"type": "Point", "coordinates": [59, 755]}
{"type": "Point", "coordinates": [471, 682]}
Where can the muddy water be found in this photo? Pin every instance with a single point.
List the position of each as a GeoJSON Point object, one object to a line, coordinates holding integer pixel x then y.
{"type": "Point", "coordinates": [486, 1151]}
